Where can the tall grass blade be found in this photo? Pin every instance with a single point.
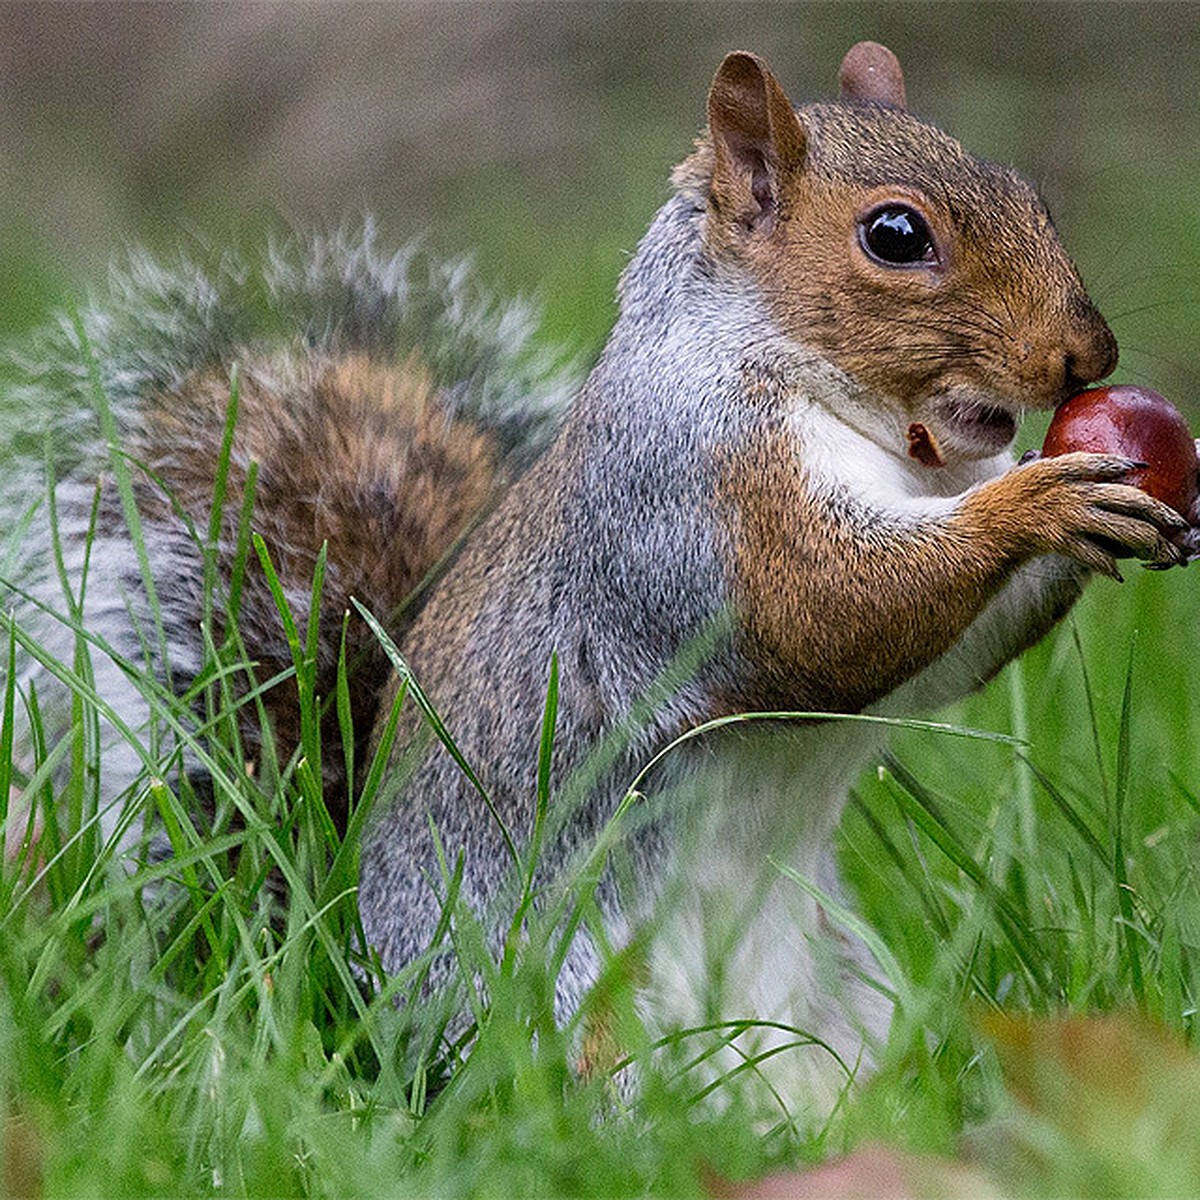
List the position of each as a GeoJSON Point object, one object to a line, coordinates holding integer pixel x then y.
{"type": "Point", "coordinates": [916, 804]}
{"type": "Point", "coordinates": [900, 991]}
{"type": "Point", "coordinates": [345, 716]}
{"type": "Point", "coordinates": [545, 758]}
{"type": "Point", "coordinates": [1068, 810]}
{"type": "Point", "coordinates": [241, 555]}
{"type": "Point", "coordinates": [8, 722]}
{"type": "Point", "coordinates": [435, 722]}
{"type": "Point", "coordinates": [1129, 930]}
{"type": "Point", "coordinates": [1093, 721]}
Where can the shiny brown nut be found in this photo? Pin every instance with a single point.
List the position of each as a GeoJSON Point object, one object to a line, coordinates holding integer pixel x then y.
{"type": "Point", "coordinates": [1139, 424]}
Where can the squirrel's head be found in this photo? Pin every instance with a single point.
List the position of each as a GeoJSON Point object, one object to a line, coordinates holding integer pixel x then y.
{"type": "Point", "coordinates": [932, 278]}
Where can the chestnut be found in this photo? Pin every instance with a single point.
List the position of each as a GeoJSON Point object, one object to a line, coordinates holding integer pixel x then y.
{"type": "Point", "coordinates": [1139, 424]}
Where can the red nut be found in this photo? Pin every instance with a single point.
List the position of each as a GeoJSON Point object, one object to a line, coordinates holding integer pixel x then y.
{"type": "Point", "coordinates": [1139, 424]}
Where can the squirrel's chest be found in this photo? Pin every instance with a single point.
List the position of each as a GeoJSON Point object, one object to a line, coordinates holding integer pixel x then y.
{"type": "Point", "coordinates": [835, 458]}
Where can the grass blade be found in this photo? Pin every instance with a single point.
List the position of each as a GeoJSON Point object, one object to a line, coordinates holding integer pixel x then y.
{"type": "Point", "coordinates": [1129, 928]}
{"type": "Point", "coordinates": [916, 804]}
{"type": "Point", "coordinates": [1068, 810]}
{"type": "Point", "coordinates": [435, 722]}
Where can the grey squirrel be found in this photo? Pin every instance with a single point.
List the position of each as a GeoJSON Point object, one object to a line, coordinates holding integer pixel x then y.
{"type": "Point", "coordinates": [735, 487]}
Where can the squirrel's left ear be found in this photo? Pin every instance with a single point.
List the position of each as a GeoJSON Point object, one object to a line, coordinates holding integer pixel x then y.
{"type": "Point", "coordinates": [872, 72]}
{"type": "Point", "coordinates": [757, 139]}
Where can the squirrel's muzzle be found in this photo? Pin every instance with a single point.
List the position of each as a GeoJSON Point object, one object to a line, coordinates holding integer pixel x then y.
{"type": "Point", "coordinates": [1088, 354]}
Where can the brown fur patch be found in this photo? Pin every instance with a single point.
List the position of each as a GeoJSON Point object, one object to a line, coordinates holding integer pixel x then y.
{"type": "Point", "coordinates": [353, 454]}
{"type": "Point", "coordinates": [350, 453]}
{"type": "Point", "coordinates": [603, 1048]}
{"type": "Point", "coordinates": [834, 615]}
{"type": "Point", "coordinates": [839, 608]}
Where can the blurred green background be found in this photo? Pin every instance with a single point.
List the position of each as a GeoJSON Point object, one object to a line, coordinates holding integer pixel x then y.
{"type": "Point", "coordinates": [539, 136]}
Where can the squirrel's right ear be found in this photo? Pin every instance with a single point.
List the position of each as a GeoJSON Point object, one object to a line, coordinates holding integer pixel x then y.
{"type": "Point", "coordinates": [757, 139]}
{"type": "Point", "coordinates": [872, 72]}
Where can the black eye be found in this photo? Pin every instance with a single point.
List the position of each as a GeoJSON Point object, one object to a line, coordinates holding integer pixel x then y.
{"type": "Point", "coordinates": [897, 236]}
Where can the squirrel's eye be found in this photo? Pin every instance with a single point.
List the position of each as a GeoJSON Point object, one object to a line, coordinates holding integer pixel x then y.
{"type": "Point", "coordinates": [897, 235]}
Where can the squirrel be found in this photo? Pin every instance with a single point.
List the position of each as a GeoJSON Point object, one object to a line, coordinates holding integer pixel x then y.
{"type": "Point", "coordinates": [785, 486]}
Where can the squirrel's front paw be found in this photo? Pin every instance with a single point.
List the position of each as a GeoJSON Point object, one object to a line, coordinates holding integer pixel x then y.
{"type": "Point", "coordinates": [1075, 504]}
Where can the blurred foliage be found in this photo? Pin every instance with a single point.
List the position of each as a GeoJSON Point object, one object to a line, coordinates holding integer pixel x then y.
{"type": "Point", "coordinates": [540, 136]}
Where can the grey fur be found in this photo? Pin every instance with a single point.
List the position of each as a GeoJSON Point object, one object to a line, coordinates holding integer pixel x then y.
{"type": "Point", "coordinates": [611, 552]}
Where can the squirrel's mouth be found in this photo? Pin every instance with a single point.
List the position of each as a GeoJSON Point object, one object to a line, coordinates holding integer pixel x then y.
{"type": "Point", "coordinates": [973, 425]}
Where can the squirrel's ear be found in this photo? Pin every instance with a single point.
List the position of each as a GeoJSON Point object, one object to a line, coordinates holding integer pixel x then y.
{"type": "Point", "coordinates": [872, 72]}
{"type": "Point", "coordinates": [756, 137]}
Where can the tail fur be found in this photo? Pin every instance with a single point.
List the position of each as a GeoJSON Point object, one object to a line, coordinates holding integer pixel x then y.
{"type": "Point", "coordinates": [328, 395]}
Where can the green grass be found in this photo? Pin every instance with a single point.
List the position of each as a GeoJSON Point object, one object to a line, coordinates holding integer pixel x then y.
{"type": "Point", "coordinates": [169, 1027]}
{"type": "Point", "coordinates": [171, 1030]}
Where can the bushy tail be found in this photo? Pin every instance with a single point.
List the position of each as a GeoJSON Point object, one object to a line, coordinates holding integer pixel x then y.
{"type": "Point", "coordinates": [348, 407]}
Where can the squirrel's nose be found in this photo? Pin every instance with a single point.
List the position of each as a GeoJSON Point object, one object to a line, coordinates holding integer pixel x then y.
{"type": "Point", "coordinates": [1090, 355]}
